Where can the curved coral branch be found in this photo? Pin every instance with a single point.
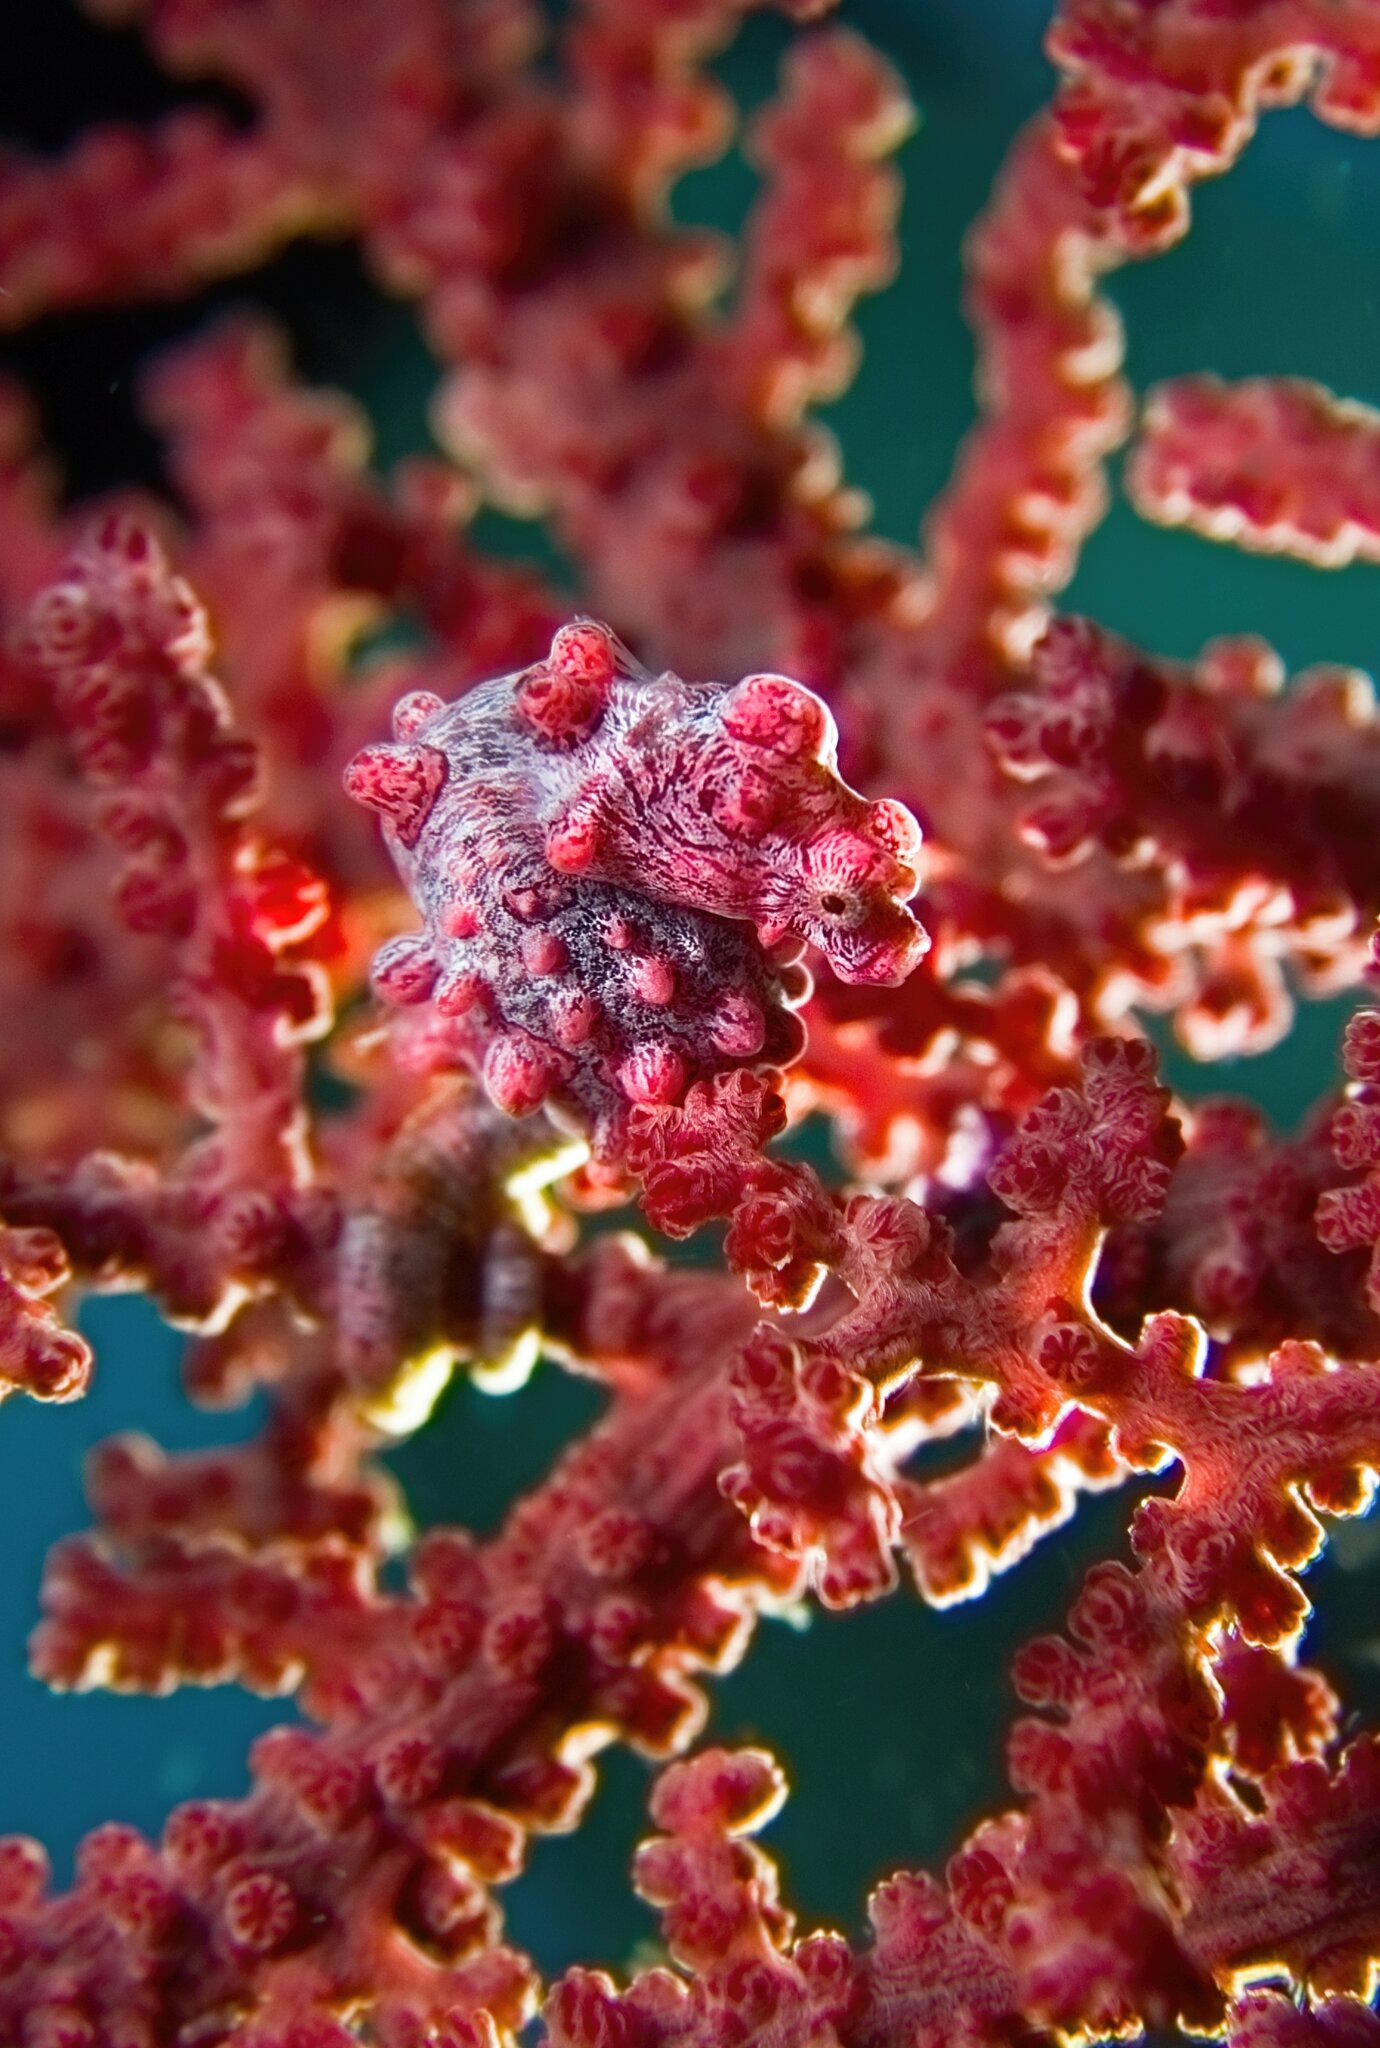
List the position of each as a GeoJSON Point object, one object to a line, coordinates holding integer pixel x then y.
{"type": "Point", "coordinates": [1274, 464]}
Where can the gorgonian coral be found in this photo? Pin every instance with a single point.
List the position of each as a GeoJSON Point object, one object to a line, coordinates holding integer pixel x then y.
{"type": "Point", "coordinates": [646, 924]}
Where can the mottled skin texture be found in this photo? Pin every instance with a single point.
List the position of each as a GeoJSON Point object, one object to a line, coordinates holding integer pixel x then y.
{"type": "Point", "coordinates": [616, 873]}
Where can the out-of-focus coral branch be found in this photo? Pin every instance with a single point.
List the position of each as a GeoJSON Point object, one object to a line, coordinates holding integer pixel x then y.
{"type": "Point", "coordinates": [1234, 1243]}
{"type": "Point", "coordinates": [1349, 1216]}
{"type": "Point", "coordinates": [37, 1355]}
{"type": "Point", "coordinates": [822, 232]}
{"type": "Point", "coordinates": [152, 212]}
{"type": "Point", "coordinates": [1250, 805]}
{"type": "Point", "coordinates": [1272, 463]}
{"type": "Point", "coordinates": [124, 646]}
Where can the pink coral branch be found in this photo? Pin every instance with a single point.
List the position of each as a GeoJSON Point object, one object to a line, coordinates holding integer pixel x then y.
{"type": "Point", "coordinates": [124, 646]}
{"type": "Point", "coordinates": [1251, 803]}
{"type": "Point", "coordinates": [151, 213]}
{"type": "Point", "coordinates": [1272, 463]}
{"type": "Point", "coordinates": [37, 1355]}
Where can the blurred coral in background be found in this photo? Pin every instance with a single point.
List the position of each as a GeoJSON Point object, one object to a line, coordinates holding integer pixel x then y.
{"type": "Point", "coordinates": [404, 944]}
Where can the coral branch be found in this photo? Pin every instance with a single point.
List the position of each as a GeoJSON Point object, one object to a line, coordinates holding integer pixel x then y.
{"type": "Point", "coordinates": [125, 648]}
{"type": "Point", "coordinates": [37, 1355]}
{"type": "Point", "coordinates": [1250, 803]}
{"type": "Point", "coordinates": [1273, 463]}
